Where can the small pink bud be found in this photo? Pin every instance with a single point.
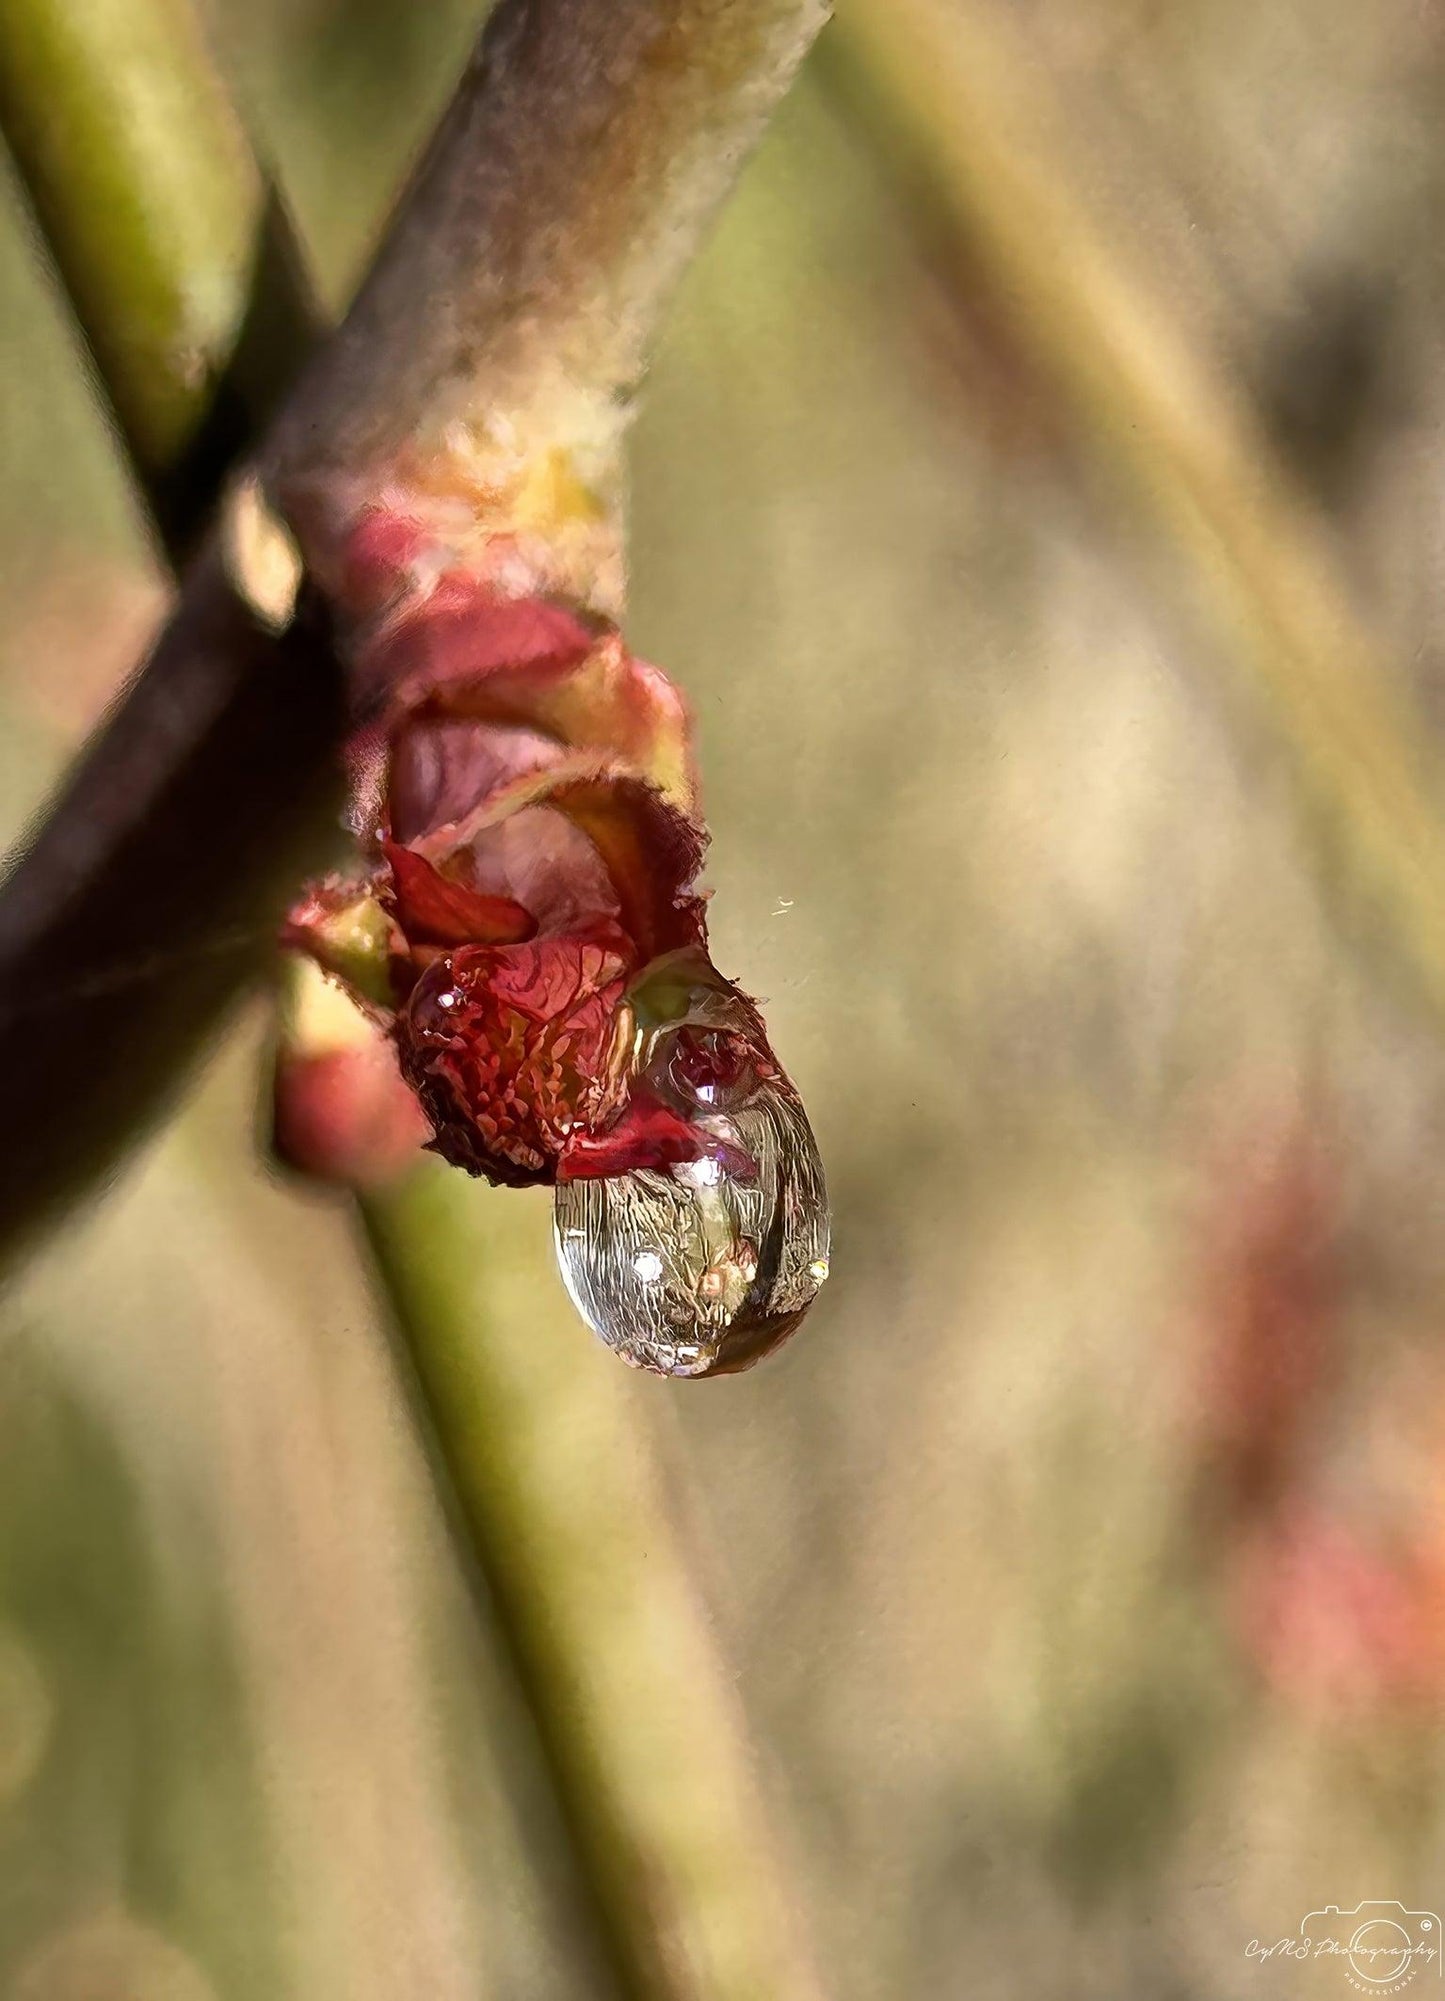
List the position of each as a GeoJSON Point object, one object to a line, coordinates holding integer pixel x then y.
{"type": "Point", "coordinates": [346, 1116]}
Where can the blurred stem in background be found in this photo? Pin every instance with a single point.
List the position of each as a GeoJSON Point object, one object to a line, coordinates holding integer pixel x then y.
{"type": "Point", "coordinates": [961, 115]}
{"type": "Point", "coordinates": [182, 274]}
{"type": "Point", "coordinates": [148, 197]}
{"type": "Point", "coordinates": [556, 1477]}
{"type": "Point", "coordinates": [577, 1529]}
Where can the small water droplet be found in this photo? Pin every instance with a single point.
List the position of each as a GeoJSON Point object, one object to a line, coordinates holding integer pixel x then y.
{"type": "Point", "coordinates": [696, 1270]}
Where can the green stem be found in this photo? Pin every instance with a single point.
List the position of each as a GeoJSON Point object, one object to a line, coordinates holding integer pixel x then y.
{"type": "Point", "coordinates": [549, 1450]}
{"type": "Point", "coordinates": [148, 197]}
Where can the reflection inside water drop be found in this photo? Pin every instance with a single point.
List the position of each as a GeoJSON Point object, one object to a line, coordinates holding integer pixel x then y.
{"type": "Point", "coordinates": [702, 1268]}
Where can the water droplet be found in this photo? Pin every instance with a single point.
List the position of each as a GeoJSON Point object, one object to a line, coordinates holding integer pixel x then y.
{"type": "Point", "coordinates": [697, 1270]}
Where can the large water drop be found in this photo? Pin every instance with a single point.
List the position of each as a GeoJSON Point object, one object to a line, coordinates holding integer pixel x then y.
{"type": "Point", "coordinates": [698, 1269]}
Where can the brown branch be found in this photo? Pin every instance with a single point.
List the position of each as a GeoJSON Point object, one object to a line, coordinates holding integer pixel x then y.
{"type": "Point", "coordinates": [506, 319]}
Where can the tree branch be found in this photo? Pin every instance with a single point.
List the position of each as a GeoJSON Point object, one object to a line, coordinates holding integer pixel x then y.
{"type": "Point", "coordinates": [566, 189]}
{"type": "Point", "coordinates": [503, 326]}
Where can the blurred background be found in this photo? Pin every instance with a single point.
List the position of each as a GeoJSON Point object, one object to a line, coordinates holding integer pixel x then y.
{"type": "Point", "coordinates": [1081, 1566]}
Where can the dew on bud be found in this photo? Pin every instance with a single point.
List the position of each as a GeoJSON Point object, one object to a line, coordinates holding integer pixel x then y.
{"type": "Point", "coordinates": [702, 1268]}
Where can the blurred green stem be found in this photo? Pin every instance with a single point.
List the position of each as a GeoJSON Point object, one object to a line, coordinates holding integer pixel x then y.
{"type": "Point", "coordinates": [551, 1462]}
{"type": "Point", "coordinates": [959, 112]}
{"type": "Point", "coordinates": [154, 211]}
{"type": "Point", "coordinates": [577, 1532]}
{"type": "Point", "coordinates": [147, 193]}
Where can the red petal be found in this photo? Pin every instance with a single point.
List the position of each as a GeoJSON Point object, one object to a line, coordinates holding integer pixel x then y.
{"type": "Point", "coordinates": [648, 1134]}
{"type": "Point", "coordinates": [606, 701]}
{"type": "Point", "coordinates": [652, 851]}
{"type": "Point", "coordinates": [463, 637]}
{"type": "Point", "coordinates": [433, 910]}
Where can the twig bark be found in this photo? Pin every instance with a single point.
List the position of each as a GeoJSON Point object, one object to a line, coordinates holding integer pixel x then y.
{"type": "Point", "coordinates": [520, 288]}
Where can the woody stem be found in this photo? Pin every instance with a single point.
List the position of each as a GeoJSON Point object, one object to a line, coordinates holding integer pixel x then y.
{"type": "Point", "coordinates": [512, 300]}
